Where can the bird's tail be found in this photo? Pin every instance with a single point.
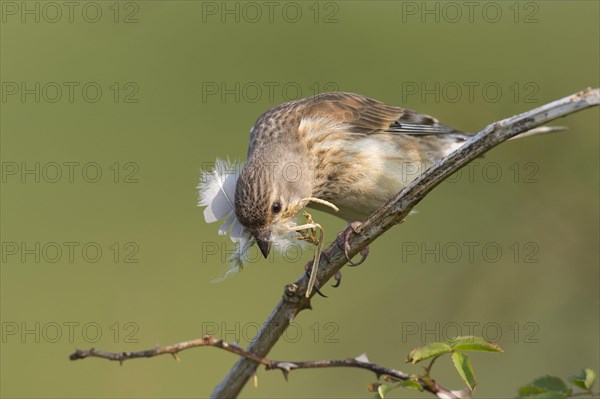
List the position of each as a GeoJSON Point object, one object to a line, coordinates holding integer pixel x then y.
{"type": "Point", "coordinates": [459, 139]}
{"type": "Point", "coordinates": [540, 130]}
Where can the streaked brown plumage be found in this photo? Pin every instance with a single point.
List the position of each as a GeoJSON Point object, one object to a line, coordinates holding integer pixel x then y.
{"type": "Point", "coordinates": [344, 148]}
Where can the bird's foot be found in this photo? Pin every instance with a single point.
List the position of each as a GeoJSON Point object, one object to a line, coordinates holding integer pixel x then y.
{"type": "Point", "coordinates": [344, 236]}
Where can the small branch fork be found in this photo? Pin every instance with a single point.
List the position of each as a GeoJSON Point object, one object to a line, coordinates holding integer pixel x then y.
{"type": "Point", "coordinates": [286, 367]}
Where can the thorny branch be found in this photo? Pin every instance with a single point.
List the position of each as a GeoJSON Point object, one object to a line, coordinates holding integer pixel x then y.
{"type": "Point", "coordinates": [286, 367]}
{"type": "Point", "coordinates": [390, 214]}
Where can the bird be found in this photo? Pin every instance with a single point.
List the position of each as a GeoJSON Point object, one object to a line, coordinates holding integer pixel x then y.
{"type": "Point", "coordinates": [341, 153]}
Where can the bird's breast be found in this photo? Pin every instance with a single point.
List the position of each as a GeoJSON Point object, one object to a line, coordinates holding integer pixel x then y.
{"type": "Point", "coordinates": [359, 173]}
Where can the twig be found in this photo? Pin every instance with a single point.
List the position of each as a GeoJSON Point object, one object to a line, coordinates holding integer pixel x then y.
{"type": "Point", "coordinates": [286, 367]}
{"type": "Point", "coordinates": [207, 340]}
{"type": "Point", "coordinates": [393, 212]}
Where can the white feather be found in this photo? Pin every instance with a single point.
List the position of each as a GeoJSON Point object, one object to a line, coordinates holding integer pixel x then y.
{"type": "Point", "coordinates": [217, 194]}
{"type": "Point", "coordinates": [217, 190]}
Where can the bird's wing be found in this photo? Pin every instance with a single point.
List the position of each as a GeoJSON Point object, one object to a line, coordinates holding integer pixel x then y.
{"type": "Point", "coordinates": [366, 116]}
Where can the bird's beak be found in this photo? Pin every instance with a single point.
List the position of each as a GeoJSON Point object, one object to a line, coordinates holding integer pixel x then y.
{"type": "Point", "coordinates": [263, 240]}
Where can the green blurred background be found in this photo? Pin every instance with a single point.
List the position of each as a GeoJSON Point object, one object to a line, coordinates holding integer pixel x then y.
{"type": "Point", "coordinates": [167, 116]}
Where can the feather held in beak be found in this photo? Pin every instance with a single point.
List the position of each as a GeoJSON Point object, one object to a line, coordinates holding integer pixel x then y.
{"type": "Point", "coordinates": [217, 194]}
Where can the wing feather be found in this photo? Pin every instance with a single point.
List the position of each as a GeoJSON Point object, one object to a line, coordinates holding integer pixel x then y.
{"type": "Point", "coordinates": [367, 116]}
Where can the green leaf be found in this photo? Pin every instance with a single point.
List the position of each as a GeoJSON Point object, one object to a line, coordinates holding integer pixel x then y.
{"type": "Point", "coordinates": [411, 384]}
{"type": "Point", "coordinates": [470, 343]}
{"type": "Point", "coordinates": [528, 391]}
{"type": "Point", "coordinates": [463, 365]}
{"type": "Point", "coordinates": [585, 379]}
{"type": "Point", "coordinates": [383, 389]}
{"type": "Point", "coordinates": [427, 351]}
{"type": "Point", "coordinates": [590, 378]}
{"type": "Point", "coordinates": [547, 387]}
{"type": "Point", "coordinates": [550, 383]}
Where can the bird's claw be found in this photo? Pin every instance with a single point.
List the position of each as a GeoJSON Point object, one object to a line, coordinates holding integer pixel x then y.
{"type": "Point", "coordinates": [338, 279]}
{"type": "Point", "coordinates": [363, 256]}
{"type": "Point", "coordinates": [354, 227]}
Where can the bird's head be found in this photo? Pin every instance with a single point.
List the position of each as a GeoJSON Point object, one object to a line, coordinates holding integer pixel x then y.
{"type": "Point", "coordinates": [267, 198]}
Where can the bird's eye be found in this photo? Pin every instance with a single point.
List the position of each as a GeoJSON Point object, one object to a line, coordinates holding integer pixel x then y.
{"type": "Point", "coordinates": [276, 207]}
